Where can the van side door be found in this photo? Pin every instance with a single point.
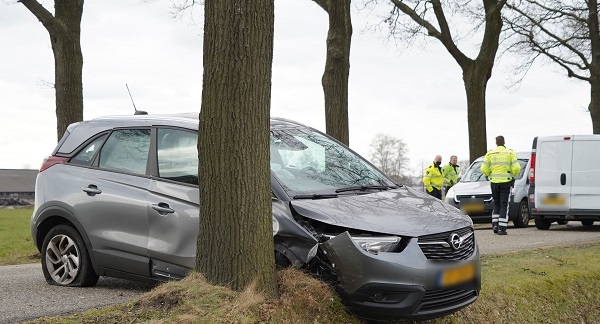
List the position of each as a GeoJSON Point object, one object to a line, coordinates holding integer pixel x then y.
{"type": "Point", "coordinates": [585, 185]}
{"type": "Point", "coordinates": [553, 173]}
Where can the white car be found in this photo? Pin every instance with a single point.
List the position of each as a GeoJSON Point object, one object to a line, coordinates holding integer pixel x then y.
{"type": "Point", "coordinates": [473, 194]}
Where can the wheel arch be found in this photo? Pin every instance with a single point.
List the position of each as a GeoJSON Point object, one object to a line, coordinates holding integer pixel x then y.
{"type": "Point", "coordinates": [53, 216]}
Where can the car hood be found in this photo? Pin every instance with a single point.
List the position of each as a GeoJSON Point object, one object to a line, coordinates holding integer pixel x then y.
{"type": "Point", "coordinates": [472, 188]}
{"type": "Point", "coordinates": [402, 211]}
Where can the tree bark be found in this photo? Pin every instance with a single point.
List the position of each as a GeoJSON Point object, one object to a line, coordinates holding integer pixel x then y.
{"type": "Point", "coordinates": [475, 77]}
{"type": "Point", "coordinates": [64, 29]}
{"type": "Point", "coordinates": [235, 241]}
{"type": "Point", "coordinates": [594, 106]}
{"type": "Point", "coordinates": [337, 68]}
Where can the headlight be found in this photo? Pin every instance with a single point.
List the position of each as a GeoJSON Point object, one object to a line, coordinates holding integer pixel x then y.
{"type": "Point", "coordinates": [375, 245]}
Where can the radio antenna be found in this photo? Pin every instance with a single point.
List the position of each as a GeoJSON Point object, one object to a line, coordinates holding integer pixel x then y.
{"type": "Point", "coordinates": [137, 112]}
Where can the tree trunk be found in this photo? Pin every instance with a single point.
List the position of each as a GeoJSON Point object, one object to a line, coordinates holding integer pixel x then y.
{"type": "Point", "coordinates": [235, 241]}
{"type": "Point", "coordinates": [65, 37]}
{"type": "Point", "coordinates": [594, 106]}
{"type": "Point", "coordinates": [475, 77]}
{"type": "Point", "coordinates": [337, 69]}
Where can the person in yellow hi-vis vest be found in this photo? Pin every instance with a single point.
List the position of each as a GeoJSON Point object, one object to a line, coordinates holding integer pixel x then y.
{"type": "Point", "coordinates": [433, 179]}
{"type": "Point", "coordinates": [500, 165]}
{"type": "Point", "coordinates": [450, 172]}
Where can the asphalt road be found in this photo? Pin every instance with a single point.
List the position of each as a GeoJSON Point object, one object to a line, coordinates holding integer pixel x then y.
{"type": "Point", "coordinates": [26, 295]}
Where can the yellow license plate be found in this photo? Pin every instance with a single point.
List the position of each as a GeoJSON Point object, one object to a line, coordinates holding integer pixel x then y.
{"type": "Point", "coordinates": [472, 208]}
{"type": "Point", "coordinates": [554, 200]}
{"type": "Point", "coordinates": [458, 275]}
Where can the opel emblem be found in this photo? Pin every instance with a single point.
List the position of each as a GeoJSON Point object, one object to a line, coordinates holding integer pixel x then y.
{"type": "Point", "coordinates": [472, 196]}
{"type": "Point", "coordinates": [455, 241]}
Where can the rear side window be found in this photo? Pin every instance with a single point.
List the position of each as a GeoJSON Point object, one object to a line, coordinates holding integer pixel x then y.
{"type": "Point", "coordinates": [126, 150]}
{"type": "Point", "coordinates": [85, 156]}
{"type": "Point", "coordinates": [177, 153]}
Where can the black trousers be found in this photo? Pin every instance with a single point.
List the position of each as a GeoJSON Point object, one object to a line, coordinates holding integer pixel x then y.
{"type": "Point", "coordinates": [437, 193]}
{"type": "Point", "coordinates": [500, 194]}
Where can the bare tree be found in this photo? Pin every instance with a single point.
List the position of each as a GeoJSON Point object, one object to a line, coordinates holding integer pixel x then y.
{"type": "Point", "coordinates": [565, 33]}
{"type": "Point", "coordinates": [235, 247]}
{"type": "Point", "coordinates": [409, 19]}
{"type": "Point", "coordinates": [337, 68]}
{"type": "Point", "coordinates": [389, 155]}
{"type": "Point", "coordinates": [64, 29]}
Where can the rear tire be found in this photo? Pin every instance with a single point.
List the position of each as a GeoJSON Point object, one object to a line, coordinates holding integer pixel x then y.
{"type": "Point", "coordinates": [522, 218]}
{"type": "Point", "coordinates": [65, 259]}
{"type": "Point", "coordinates": [542, 223]}
{"type": "Point", "coordinates": [587, 222]}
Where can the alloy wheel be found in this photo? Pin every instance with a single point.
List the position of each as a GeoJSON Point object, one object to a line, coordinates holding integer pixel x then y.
{"type": "Point", "coordinates": [62, 259]}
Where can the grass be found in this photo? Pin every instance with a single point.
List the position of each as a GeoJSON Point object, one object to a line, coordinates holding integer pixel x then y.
{"type": "Point", "coordinates": [16, 245]}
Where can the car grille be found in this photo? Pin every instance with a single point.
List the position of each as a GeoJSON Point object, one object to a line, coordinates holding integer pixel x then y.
{"type": "Point", "coordinates": [439, 301]}
{"type": "Point", "coordinates": [485, 197]}
{"type": "Point", "coordinates": [438, 246]}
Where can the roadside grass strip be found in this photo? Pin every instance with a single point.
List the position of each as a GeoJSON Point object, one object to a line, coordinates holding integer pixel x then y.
{"type": "Point", "coordinates": [16, 245]}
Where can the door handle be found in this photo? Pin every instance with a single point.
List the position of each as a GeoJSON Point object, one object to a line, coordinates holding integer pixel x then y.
{"type": "Point", "coordinates": [92, 190]}
{"type": "Point", "coordinates": [163, 208]}
{"type": "Point", "coordinates": [563, 179]}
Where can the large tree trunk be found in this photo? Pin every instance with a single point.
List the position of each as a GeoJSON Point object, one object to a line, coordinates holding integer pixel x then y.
{"type": "Point", "coordinates": [337, 68]}
{"type": "Point", "coordinates": [65, 36]}
{"type": "Point", "coordinates": [235, 241]}
{"type": "Point", "coordinates": [594, 106]}
{"type": "Point", "coordinates": [475, 77]}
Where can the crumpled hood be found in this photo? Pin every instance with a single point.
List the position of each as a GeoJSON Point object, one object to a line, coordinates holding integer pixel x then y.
{"type": "Point", "coordinates": [402, 211]}
{"type": "Point", "coordinates": [472, 188]}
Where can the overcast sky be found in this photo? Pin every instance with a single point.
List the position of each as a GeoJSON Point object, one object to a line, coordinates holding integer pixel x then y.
{"type": "Point", "coordinates": [417, 95]}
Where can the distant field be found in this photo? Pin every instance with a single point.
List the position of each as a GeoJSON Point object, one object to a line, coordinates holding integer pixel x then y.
{"type": "Point", "coordinates": [16, 246]}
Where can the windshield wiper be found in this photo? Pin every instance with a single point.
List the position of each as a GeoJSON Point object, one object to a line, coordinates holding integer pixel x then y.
{"type": "Point", "coordinates": [315, 196]}
{"type": "Point", "coordinates": [363, 188]}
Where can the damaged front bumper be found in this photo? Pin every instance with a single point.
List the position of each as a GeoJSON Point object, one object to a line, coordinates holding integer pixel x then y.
{"type": "Point", "coordinates": [405, 284]}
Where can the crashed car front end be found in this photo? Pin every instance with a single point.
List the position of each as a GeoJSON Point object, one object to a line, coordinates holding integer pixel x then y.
{"type": "Point", "coordinates": [389, 251]}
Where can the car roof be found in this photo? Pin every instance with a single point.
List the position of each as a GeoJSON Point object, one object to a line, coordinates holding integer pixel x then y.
{"type": "Point", "coordinates": [81, 131]}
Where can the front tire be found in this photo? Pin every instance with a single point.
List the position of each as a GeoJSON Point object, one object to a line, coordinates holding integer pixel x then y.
{"type": "Point", "coordinates": [587, 222]}
{"type": "Point", "coordinates": [522, 218]}
{"type": "Point", "coordinates": [542, 223]}
{"type": "Point", "coordinates": [65, 259]}
{"type": "Point", "coordinates": [562, 222]}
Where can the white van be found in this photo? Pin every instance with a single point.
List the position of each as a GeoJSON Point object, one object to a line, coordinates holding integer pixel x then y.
{"type": "Point", "coordinates": [565, 179]}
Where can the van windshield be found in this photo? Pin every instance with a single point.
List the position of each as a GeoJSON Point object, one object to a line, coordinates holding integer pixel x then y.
{"type": "Point", "coordinates": [473, 173]}
{"type": "Point", "coordinates": [307, 162]}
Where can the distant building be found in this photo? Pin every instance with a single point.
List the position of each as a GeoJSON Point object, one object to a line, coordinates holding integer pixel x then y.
{"type": "Point", "coordinates": [17, 183]}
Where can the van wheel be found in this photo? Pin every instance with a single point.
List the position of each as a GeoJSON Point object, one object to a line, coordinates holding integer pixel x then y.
{"type": "Point", "coordinates": [562, 222]}
{"type": "Point", "coordinates": [587, 222]}
{"type": "Point", "coordinates": [522, 219]}
{"type": "Point", "coordinates": [542, 223]}
{"type": "Point", "coordinates": [65, 260]}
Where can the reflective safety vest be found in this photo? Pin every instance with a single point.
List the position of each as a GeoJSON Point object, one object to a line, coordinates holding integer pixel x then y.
{"type": "Point", "coordinates": [450, 173]}
{"type": "Point", "coordinates": [432, 178]}
{"type": "Point", "coordinates": [500, 165]}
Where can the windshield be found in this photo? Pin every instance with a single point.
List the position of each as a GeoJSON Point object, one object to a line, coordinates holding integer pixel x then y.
{"type": "Point", "coordinates": [307, 162]}
{"type": "Point", "coordinates": [473, 173]}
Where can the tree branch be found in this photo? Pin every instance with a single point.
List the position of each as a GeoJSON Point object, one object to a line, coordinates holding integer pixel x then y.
{"type": "Point", "coordinates": [44, 16]}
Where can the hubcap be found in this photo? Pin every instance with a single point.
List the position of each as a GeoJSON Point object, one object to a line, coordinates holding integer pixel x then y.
{"type": "Point", "coordinates": [62, 259]}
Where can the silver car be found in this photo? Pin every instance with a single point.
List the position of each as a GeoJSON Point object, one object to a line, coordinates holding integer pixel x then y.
{"type": "Point", "coordinates": [473, 194]}
{"type": "Point", "coordinates": [119, 197]}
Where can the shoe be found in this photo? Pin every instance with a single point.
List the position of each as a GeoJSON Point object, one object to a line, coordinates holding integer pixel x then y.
{"type": "Point", "coordinates": [502, 233]}
{"type": "Point", "coordinates": [495, 229]}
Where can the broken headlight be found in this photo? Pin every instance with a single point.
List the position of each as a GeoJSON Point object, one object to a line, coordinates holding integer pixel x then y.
{"type": "Point", "coordinates": [375, 245]}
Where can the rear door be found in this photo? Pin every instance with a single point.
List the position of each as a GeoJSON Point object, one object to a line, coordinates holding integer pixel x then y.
{"type": "Point", "coordinates": [585, 186]}
{"type": "Point", "coordinates": [553, 173]}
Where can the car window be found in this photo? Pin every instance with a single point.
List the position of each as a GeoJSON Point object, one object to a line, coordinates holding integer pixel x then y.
{"type": "Point", "coordinates": [523, 164]}
{"type": "Point", "coordinates": [86, 155]}
{"type": "Point", "coordinates": [177, 155]}
{"type": "Point", "coordinates": [308, 162]}
{"type": "Point", "coordinates": [473, 173]}
{"type": "Point", "coordinates": [126, 150]}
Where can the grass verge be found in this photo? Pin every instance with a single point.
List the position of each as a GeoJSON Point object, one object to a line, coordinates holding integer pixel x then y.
{"type": "Point", "coordinates": [558, 285]}
{"type": "Point", "coordinates": [16, 245]}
